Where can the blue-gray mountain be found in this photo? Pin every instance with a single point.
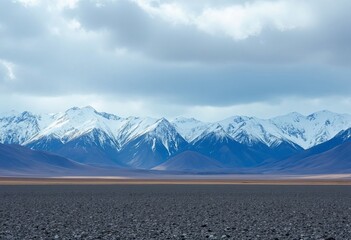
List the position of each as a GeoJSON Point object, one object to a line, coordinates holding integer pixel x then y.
{"type": "Point", "coordinates": [87, 148]}
{"type": "Point", "coordinates": [96, 138]}
{"type": "Point", "coordinates": [333, 156]}
{"type": "Point", "coordinates": [15, 158]}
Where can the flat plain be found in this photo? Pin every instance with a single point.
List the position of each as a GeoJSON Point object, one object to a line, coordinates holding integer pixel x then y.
{"type": "Point", "coordinates": [175, 211]}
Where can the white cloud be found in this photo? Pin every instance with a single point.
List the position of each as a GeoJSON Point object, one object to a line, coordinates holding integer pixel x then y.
{"type": "Point", "coordinates": [171, 12]}
{"type": "Point", "coordinates": [239, 21]}
{"type": "Point", "coordinates": [61, 4]}
{"type": "Point", "coordinates": [74, 24]}
{"type": "Point", "coordinates": [29, 3]}
{"type": "Point", "coordinates": [58, 4]}
{"type": "Point", "coordinates": [250, 19]}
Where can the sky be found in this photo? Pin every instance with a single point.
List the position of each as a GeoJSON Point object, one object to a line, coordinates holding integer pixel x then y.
{"type": "Point", "coordinates": [208, 59]}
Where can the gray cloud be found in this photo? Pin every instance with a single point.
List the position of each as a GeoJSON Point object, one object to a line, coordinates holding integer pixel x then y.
{"type": "Point", "coordinates": [123, 53]}
{"type": "Point", "coordinates": [20, 22]}
{"type": "Point", "coordinates": [130, 26]}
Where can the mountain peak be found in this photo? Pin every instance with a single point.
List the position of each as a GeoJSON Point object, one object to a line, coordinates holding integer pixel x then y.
{"type": "Point", "coordinates": [86, 109]}
{"type": "Point", "coordinates": [161, 124]}
{"type": "Point", "coordinates": [215, 131]}
{"type": "Point", "coordinates": [182, 119]}
{"type": "Point", "coordinates": [162, 120]}
{"type": "Point", "coordinates": [26, 114]}
{"type": "Point", "coordinates": [320, 114]}
{"type": "Point", "coordinates": [295, 114]}
{"type": "Point", "coordinates": [239, 119]}
{"type": "Point", "coordinates": [189, 128]}
{"type": "Point", "coordinates": [305, 131]}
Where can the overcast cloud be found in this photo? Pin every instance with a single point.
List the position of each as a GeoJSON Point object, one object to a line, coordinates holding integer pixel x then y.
{"type": "Point", "coordinates": [203, 58]}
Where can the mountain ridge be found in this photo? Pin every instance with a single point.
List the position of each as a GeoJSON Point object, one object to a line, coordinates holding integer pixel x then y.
{"type": "Point", "coordinates": [333, 155]}
{"type": "Point", "coordinates": [88, 136]}
{"type": "Point", "coordinates": [242, 128]}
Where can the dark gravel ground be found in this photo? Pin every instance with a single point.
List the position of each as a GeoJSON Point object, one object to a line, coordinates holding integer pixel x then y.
{"type": "Point", "coordinates": [175, 212]}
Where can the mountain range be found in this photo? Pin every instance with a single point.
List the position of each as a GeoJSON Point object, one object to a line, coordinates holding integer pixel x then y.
{"type": "Point", "coordinates": [319, 142]}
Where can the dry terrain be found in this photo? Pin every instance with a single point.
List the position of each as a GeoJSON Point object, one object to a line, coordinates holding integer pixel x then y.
{"type": "Point", "coordinates": [172, 211]}
{"type": "Point", "coordinates": [222, 180]}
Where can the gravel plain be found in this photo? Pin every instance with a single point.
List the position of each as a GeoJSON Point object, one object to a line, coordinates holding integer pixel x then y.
{"type": "Point", "coordinates": [175, 212]}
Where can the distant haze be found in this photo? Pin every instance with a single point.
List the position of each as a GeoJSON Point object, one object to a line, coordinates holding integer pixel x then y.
{"type": "Point", "coordinates": [204, 59]}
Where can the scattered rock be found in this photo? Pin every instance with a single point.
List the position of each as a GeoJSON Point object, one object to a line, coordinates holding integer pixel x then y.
{"type": "Point", "coordinates": [175, 212]}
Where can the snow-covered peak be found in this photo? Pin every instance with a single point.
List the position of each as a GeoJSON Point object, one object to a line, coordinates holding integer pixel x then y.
{"type": "Point", "coordinates": [18, 127]}
{"type": "Point", "coordinates": [133, 127]}
{"type": "Point", "coordinates": [214, 133]}
{"type": "Point", "coordinates": [325, 114]}
{"type": "Point", "coordinates": [185, 120]}
{"type": "Point", "coordinates": [293, 116]}
{"type": "Point", "coordinates": [75, 122]}
{"type": "Point", "coordinates": [158, 126]}
{"type": "Point", "coordinates": [236, 120]}
{"type": "Point", "coordinates": [166, 133]}
{"type": "Point", "coordinates": [153, 131]}
{"type": "Point", "coordinates": [89, 111]}
{"type": "Point", "coordinates": [76, 111]}
{"type": "Point", "coordinates": [311, 130]}
{"type": "Point", "coordinates": [217, 130]}
{"type": "Point", "coordinates": [250, 130]}
{"type": "Point", "coordinates": [189, 128]}
{"type": "Point", "coordinates": [305, 131]}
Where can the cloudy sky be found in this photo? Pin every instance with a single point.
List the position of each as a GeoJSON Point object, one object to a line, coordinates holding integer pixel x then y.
{"type": "Point", "coordinates": [204, 58]}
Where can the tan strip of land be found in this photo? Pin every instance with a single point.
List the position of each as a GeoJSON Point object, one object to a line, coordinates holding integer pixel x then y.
{"type": "Point", "coordinates": [119, 181]}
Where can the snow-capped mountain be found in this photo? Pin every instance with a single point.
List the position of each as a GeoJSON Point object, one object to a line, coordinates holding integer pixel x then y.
{"type": "Point", "coordinates": [305, 131]}
{"type": "Point", "coordinates": [76, 122]}
{"type": "Point", "coordinates": [250, 130]}
{"type": "Point", "coordinates": [17, 128]}
{"type": "Point", "coordinates": [311, 130]}
{"type": "Point", "coordinates": [134, 127]}
{"type": "Point", "coordinates": [89, 136]}
{"type": "Point", "coordinates": [82, 134]}
{"type": "Point", "coordinates": [94, 147]}
{"type": "Point", "coordinates": [152, 146]}
{"type": "Point", "coordinates": [332, 156]}
{"type": "Point", "coordinates": [190, 128]}
{"type": "Point", "coordinates": [215, 132]}
{"type": "Point", "coordinates": [216, 143]}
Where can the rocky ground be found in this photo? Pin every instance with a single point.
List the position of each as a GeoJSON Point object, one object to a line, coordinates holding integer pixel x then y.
{"type": "Point", "coordinates": [175, 212]}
